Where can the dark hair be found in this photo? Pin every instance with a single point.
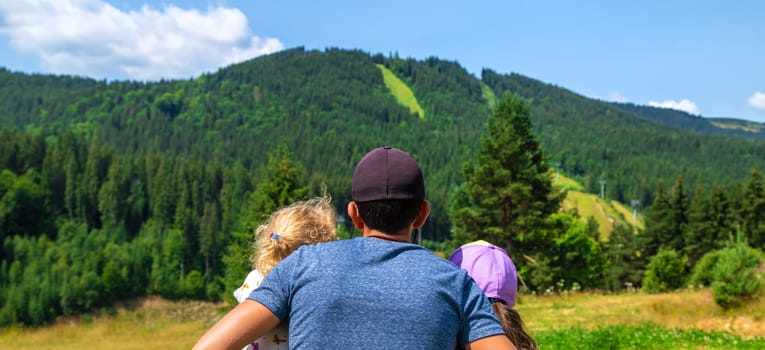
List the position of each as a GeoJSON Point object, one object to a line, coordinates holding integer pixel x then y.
{"type": "Point", "coordinates": [513, 326]}
{"type": "Point", "coordinates": [390, 215]}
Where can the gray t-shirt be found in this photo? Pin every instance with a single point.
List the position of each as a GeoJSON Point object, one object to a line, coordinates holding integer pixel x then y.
{"type": "Point", "coordinates": [367, 293]}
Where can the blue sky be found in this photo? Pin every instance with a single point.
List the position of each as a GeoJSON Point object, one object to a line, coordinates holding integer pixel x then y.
{"type": "Point", "coordinates": [704, 57]}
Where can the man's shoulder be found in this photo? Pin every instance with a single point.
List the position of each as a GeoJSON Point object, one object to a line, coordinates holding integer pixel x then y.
{"type": "Point", "coordinates": [338, 245]}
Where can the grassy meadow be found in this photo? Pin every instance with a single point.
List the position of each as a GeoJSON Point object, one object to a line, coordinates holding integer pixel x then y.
{"type": "Point", "coordinates": [401, 91]}
{"type": "Point", "coordinates": [606, 212]}
{"type": "Point", "coordinates": [687, 319]}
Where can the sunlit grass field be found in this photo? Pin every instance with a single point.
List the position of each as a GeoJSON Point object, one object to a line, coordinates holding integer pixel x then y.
{"type": "Point", "coordinates": [401, 91]}
{"type": "Point", "coordinates": [145, 325]}
{"type": "Point", "coordinates": [606, 212]}
{"type": "Point", "coordinates": [687, 319]}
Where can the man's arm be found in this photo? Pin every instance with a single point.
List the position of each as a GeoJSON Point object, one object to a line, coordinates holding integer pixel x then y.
{"type": "Point", "coordinates": [246, 322]}
{"type": "Point", "coordinates": [494, 342]}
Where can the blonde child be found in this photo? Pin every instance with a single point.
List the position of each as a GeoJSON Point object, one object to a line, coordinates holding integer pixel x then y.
{"type": "Point", "coordinates": [286, 230]}
{"type": "Point", "coordinates": [494, 271]}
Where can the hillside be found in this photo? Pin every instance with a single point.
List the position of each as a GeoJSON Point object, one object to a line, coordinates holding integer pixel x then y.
{"type": "Point", "coordinates": [607, 213]}
{"type": "Point", "coordinates": [592, 140]}
{"type": "Point", "coordinates": [683, 121]}
{"type": "Point", "coordinates": [329, 107]}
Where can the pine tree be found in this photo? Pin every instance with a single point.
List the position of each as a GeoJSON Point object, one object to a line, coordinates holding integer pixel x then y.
{"type": "Point", "coordinates": [507, 192]}
{"type": "Point", "coordinates": [281, 186]}
{"type": "Point", "coordinates": [679, 207]}
{"type": "Point", "coordinates": [658, 221]}
{"type": "Point", "coordinates": [210, 238]}
{"type": "Point", "coordinates": [709, 223]}
{"type": "Point", "coordinates": [753, 211]}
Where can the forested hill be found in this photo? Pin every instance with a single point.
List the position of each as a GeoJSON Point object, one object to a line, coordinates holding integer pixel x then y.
{"type": "Point", "coordinates": [593, 140]}
{"type": "Point", "coordinates": [330, 107]}
{"type": "Point", "coordinates": [114, 190]}
{"type": "Point", "coordinates": [683, 121]}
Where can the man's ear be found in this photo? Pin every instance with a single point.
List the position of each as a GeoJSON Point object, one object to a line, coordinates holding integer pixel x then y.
{"type": "Point", "coordinates": [422, 215]}
{"type": "Point", "coordinates": [353, 213]}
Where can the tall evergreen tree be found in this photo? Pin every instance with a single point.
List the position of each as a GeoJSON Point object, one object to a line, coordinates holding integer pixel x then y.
{"type": "Point", "coordinates": [709, 223]}
{"type": "Point", "coordinates": [679, 207]}
{"type": "Point", "coordinates": [752, 213]}
{"type": "Point", "coordinates": [666, 219]}
{"type": "Point", "coordinates": [507, 192]}
{"type": "Point", "coordinates": [280, 187]}
{"type": "Point", "coordinates": [658, 221]}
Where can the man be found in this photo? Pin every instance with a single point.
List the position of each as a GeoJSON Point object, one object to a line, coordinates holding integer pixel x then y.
{"type": "Point", "coordinates": [377, 291]}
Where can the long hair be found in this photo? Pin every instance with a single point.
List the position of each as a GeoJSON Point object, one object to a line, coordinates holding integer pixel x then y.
{"type": "Point", "coordinates": [287, 229]}
{"type": "Point", "coordinates": [513, 326]}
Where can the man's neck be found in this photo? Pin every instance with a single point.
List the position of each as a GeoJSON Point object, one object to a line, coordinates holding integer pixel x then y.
{"type": "Point", "coordinates": [399, 237]}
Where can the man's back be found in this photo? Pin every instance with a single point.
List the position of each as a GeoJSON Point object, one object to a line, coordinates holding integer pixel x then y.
{"type": "Point", "coordinates": [371, 293]}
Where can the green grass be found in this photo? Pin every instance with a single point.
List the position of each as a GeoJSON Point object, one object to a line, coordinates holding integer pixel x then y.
{"type": "Point", "coordinates": [688, 309]}
{"type": "Point", "coordinates": [741, 125]}
{"type": "Point", "coordinates": [146, 324]}
{"type": "Point", "coordinates": [644, 336]}
{"type": "Point", "coordinates": [607, 213]}
{"type": "Point", "coordinates": [488, 95]}
{"type": "Point", "coordinates": [686, 319]}
{"type": "Point", "coordinates": [401, 91]}
{"type": "Point", "coordinates": [567, 183]}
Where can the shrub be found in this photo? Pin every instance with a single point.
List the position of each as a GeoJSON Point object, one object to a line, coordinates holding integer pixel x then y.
{"type": "Point", "coordinates": [665, 271]}
{"type": "Point", "coordinates": [736, 279]}
{"type": "Point", "coordinates": [702, 272]}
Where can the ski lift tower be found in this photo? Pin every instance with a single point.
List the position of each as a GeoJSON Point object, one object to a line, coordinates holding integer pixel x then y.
{"type": "Point", "coordinates": [635, 205]}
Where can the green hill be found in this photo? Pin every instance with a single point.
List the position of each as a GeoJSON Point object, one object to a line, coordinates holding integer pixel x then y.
{"type": "Point", "coordinates": [111, 190]}
{"type": "Point", "coordinates": [683, 121]}
{"type": "Point", "coordinates": [329, 107]}
{"type": "Point", "coordinates": [606, 212]}
{"type": "Point", "coordinates": [593, 140]}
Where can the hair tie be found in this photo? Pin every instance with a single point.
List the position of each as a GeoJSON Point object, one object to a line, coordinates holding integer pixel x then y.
{"type": "Point", "coordinates": [274, 235]}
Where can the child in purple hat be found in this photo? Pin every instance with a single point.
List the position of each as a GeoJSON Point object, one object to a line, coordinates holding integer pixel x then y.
{"type": "Point", "coordinates": [494, 271]}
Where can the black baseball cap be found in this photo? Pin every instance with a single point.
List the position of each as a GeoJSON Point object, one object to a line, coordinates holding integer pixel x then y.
{"type": "Point", "coordinates": [387, 173]}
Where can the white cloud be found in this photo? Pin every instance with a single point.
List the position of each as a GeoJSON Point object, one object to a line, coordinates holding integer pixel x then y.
{"type": "Point", "coordinates": [684, 105]}
{"type": "Point", "coordinates": [93, 38]}
{"type": "Point", "coordinates": [757, 100]}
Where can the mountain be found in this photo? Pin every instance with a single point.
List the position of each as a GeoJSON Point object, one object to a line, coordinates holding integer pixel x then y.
{"type": "Point", "coordinates": [115, 190]}
{"type": "Point", "coordinates": [593, 141]}
{"type": "Point", "coordinates": [684, 121]}
{"type": "Point", "coordinates": [330, 107]}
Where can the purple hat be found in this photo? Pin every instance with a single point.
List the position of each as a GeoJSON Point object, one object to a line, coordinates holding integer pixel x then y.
{"type": "Point", "coordinates": [491, 268]}
{"type": "Point", "coordinates": [387, 173]}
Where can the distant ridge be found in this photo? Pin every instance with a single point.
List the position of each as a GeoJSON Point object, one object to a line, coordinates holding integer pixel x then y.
{"type": "Point", "coordinates": [684, 121]}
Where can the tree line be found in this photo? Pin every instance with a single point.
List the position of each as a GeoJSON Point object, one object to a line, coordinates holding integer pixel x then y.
{"type": "Point", "coordinates": [507, 197]}
{"type": "Point", "coordinates": [82, 225]}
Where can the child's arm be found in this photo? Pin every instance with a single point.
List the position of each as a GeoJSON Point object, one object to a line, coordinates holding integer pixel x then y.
{"type": "Point", "coordinates": [493, 342]}
{"type": "Point", "coordinates": [248, 320]}
{"type": "Point", "coordinates": [251, 282]}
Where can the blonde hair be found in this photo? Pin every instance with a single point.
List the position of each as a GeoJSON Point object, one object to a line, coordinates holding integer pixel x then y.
{"type": "Point", "coordinates": [301, 223]}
